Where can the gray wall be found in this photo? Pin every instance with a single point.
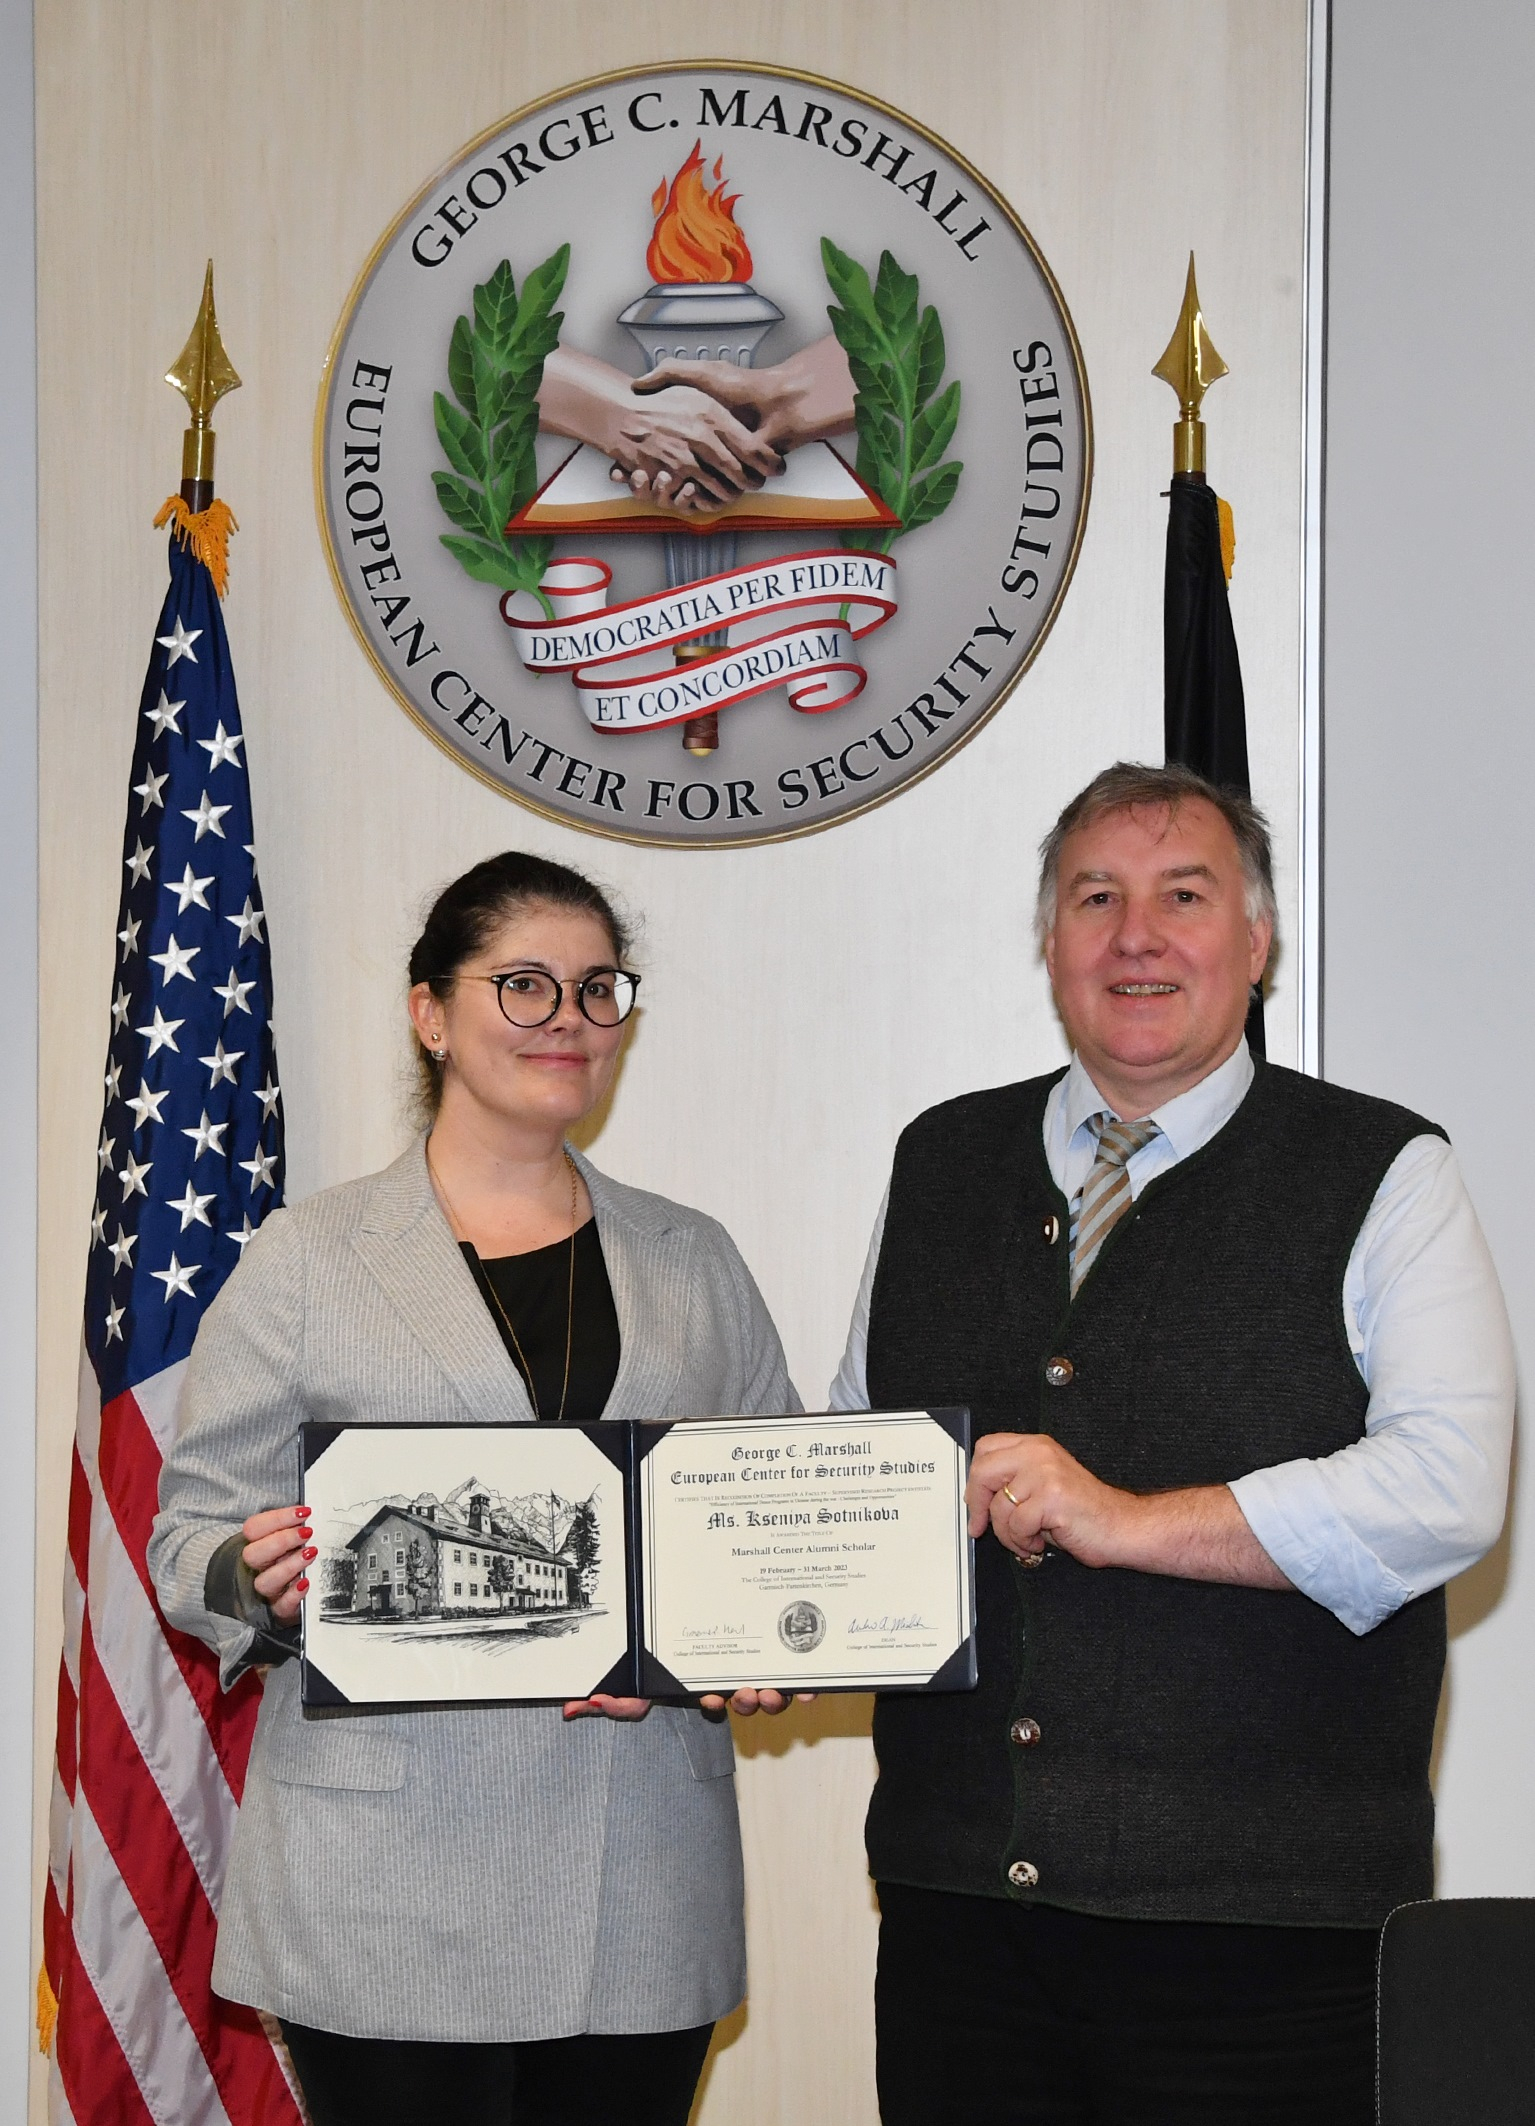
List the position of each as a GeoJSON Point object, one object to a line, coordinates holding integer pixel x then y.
{"type": "Point", "coordinates": [1429, 920]}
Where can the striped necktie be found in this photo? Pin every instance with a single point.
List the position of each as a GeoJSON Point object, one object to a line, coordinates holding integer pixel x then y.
{"type": "Point", "coordinates": [1106, 1193]}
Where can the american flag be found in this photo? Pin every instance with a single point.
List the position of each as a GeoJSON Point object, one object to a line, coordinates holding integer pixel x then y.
{"type": "Point", "coordinates": [151, 1754]}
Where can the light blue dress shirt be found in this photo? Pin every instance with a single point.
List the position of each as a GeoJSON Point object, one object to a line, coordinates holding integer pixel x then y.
{"type": "Point", "coordinates": [1421, 1496]}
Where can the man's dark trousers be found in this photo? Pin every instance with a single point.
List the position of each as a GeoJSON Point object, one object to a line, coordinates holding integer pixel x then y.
{"type": "Point", "coordinates": [998, 2015]}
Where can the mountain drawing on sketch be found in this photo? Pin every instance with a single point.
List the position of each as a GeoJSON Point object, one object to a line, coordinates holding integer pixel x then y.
{"type": "Point", "coordinates": [474, 1565]}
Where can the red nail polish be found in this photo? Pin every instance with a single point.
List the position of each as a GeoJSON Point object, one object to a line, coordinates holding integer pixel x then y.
{"type": "Point", "coordinates": [302, 1513]}
{"type": "Point", "coordinates": [311, 1552]}
{"type": "Point", "coordinates": [302, 1586]}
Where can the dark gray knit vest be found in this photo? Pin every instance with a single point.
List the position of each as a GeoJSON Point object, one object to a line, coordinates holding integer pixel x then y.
{"type": "Point", "coordinates": [1205, 1753]}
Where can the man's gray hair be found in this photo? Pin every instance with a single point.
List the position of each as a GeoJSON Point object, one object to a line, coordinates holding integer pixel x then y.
{"type": "Point", "coordinates": [1127, 786]}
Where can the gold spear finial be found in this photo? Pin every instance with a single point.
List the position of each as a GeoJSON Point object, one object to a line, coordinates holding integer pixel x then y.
{"type": "Point", "coordinates": [202, 373]}
{"type": "Point", "coordinates": [1191, 365]}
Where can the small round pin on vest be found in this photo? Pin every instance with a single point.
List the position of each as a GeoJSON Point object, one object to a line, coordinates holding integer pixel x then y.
{"type": "Point", "coordinates": [1052, 1229]}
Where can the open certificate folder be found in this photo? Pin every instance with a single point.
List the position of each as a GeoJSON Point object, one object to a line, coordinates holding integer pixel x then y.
{"type": "Point", "coordinates": [552, 1561]}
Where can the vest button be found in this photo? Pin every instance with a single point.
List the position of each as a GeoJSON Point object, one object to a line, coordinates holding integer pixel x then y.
{"type": "Point", "coordinates": [1052, 1229]}
{"type": "Point", "coordinates": [1023, 1875]}
{"type": "Point", "coordinates": [1025, 1732]}
{"type": "Point", "coordinates": [1059, 1371]}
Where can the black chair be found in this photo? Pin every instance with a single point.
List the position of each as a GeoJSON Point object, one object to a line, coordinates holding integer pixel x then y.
{"type": "Point", "coordinates": [1457, 2013]}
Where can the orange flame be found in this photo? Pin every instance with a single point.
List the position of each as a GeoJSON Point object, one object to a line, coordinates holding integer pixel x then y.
{"type": "Point", "coordinates": [696, 238]}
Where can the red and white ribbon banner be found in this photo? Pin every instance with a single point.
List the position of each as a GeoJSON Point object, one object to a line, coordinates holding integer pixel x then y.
{"type": "Point", "coordinates": [791, 622]}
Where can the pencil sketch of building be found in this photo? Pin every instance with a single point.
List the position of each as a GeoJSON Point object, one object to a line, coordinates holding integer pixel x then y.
{"type": "Point", "coordinates": [474, 1554]}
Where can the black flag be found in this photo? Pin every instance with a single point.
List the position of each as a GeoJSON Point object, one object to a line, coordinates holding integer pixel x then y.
{"type": "Point", "coordinates": [1203, 711]}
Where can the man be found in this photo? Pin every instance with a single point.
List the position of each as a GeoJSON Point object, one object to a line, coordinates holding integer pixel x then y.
{"type": "Point", "coordinates": [1242, 1389]}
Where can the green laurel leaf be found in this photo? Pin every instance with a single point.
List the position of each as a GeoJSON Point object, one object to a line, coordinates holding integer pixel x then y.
{"type": "Point", "coordinates": [461, 367]}
{"type": "Point", "coordinates": [534, 557]}
{"type": "Point", "coordinates": [930, 354]}
{"type": "Point", "coordinates": [463, 503]}
{"type": "Point", "coordinates": [511, 444]}
{"type": "Point", "coordinates": [485, 562]}
{"type": "Point", "coordinates": [496, 362]}
{"type": "Point", "coordinates": [881, 436]}
{"type": "Point", "coordinates": [503, 398]}
{"type": "Point", "coordinates": [932, 495]}
{"type": "Point", "coordinates": [905, 423]}
{"type": "Point", "coordinates": [933, 429]}
{"type": "Point", "coordinates": [542, 288]}
{"type": "Point", "coordinates": [849, 284]}
{"type": "Point", "coordinates": [895, 301]}
{"type": "Point", "coordinates": [495, 306]}
{"type": "Point", "coordinates": [875, 382]}
{"type": "Point", "coordinates": [460, 437]}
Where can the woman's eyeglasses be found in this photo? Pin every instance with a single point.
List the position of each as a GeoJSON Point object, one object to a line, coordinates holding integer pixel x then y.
{"type": "Point", "coordinates": [529, 997]}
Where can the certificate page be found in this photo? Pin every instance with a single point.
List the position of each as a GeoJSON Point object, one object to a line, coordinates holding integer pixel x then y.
{"type": "Point", "coordinates": [806, 1553]}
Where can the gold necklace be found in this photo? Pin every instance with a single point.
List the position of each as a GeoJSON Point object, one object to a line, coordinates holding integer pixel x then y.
{"type": "Point", "coordinates": [495, 1297]}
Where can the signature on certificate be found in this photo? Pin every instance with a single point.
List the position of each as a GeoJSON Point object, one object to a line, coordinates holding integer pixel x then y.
{"type": "Point", "coordinates": [887, 1625]}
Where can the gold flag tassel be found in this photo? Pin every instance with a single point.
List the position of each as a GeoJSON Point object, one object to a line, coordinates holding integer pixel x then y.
{"type": "Point", "coordinates": [47, 2011]}
{"type": "Point", "coordinates": [1228, 535]}
{"type": "Point", "coordinates": [207, 533]}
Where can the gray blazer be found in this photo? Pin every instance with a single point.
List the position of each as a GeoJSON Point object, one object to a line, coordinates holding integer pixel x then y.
{"type": "Point", "coordinates": [475, 1873]}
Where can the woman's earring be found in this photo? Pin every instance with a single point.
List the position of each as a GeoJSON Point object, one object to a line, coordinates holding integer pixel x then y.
{"type": "Point", "coordinates": [437, 1054]}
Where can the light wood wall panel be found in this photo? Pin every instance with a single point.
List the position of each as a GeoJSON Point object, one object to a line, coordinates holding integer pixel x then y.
{"type": "Point", "coordinates": [811, 996]}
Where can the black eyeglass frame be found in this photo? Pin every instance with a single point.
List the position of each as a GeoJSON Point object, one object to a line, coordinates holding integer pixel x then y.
{"type": "Point", "coordinates": [577, 984]}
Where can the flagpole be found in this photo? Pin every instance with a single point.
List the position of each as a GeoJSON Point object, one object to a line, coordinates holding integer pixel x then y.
{"type": "Point", "coordinates": [202, 373]}
{"type": "Point", "coordinates": [1191, 365]}
{"type": "Point", "coordinates": [1204, 708]}
{"type": "Point", "coordinates": [151, 1748]}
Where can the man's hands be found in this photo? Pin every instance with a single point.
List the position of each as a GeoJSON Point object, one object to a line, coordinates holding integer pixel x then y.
{"type": "Point", "coordinates": [747, 1702]}
{"type": "Point", "coordinates": [277, 1550]}
{"type": "Point", "coordinates": [1032, 1493]}
{"type": "Point", "coordinates": [1057, 1500]}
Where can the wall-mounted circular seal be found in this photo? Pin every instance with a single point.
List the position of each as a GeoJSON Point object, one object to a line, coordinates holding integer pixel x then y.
{"type": "Point", "coordinates": [805, 563]}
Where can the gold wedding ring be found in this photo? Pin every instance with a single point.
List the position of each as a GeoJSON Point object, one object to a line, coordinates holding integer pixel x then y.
{"type": "Point", "coordinates": [1030, 1558]}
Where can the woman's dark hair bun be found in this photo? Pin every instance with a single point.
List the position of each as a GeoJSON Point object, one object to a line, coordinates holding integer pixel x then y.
{"type": "Point", "coordinates": [466, 914]}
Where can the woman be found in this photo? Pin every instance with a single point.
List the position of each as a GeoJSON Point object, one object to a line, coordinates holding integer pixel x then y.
{"type": "Point", "coordinates": [496, 1914]}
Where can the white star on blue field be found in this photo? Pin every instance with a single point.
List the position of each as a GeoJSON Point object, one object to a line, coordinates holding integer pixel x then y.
{"type": "Point", "coordinates": [190, 1157]}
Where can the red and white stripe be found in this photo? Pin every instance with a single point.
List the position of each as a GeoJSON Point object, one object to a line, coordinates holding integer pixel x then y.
{"type": "Point", "coordinates": [150, 1768]}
